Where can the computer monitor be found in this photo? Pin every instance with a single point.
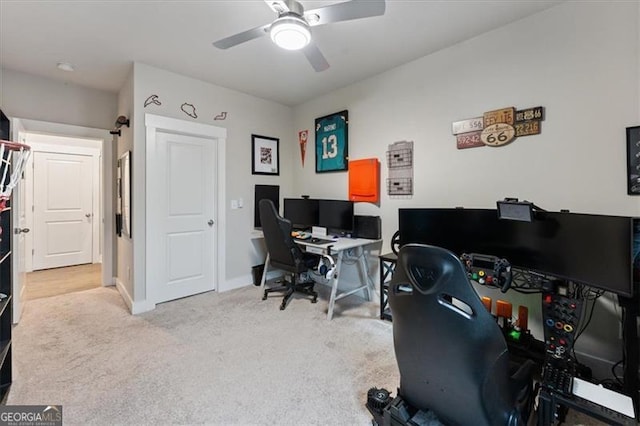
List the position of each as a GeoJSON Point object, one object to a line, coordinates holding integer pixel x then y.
{"type": "Point", "coordinates": [302, 212]}
{"type": "Point", "coordinates": [336, 215]}
{"type": "Point", "coordinates": [270, 192]}
{"type": "Point", "coordinates": [591, 249]}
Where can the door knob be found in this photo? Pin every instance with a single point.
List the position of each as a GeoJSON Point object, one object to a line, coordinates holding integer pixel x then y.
{"type": "Point", "coordinates": [19, 230]}
{"type": "Point", "coordinates": [210, 223]}
{"type": "Point", "coordinates": [87, 215]}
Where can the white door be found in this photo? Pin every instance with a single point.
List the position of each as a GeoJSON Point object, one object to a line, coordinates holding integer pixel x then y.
{"type": "Point", "coordinates": [63, 209]}
{"type": "Point", "coordinates": [18, 218]}
{"type": "Point", "coordinates": [186, 217]}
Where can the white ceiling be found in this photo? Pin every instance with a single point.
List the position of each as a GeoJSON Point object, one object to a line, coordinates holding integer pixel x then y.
{"type": "Point", "coordinates": [103, 37]}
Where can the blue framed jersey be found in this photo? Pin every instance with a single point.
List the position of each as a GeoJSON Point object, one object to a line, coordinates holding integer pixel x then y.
{"type": "Point", "coordinates": [332, 142]}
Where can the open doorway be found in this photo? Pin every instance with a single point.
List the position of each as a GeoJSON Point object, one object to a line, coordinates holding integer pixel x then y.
{"type": "Point", "coordinates": [65, 199]}
{"type": "Point", "coordinates": [63, 187]}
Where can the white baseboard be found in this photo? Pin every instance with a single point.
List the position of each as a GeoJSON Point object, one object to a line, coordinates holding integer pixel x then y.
{"type": "Point", "coordinates": [134, 307]}
{"type": "Point", "coordinates": [245, 281]}
{"type": "Point", "coordinates": [235, 283]}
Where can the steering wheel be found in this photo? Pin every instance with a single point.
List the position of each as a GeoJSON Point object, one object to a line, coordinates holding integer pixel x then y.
{"type": "Point", "coordinates": [395, 243]}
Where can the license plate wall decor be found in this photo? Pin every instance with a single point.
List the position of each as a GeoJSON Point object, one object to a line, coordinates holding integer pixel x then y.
{"type": "Point", "coordinates": [498, 127]}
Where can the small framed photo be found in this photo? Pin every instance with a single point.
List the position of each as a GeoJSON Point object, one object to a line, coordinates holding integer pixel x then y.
{"type": "Point", "coordinates": [332, 147]}
{"type": "Point", "coordinates": [633, 160]}
{"type": "Point", "coordinates": [265, 156]}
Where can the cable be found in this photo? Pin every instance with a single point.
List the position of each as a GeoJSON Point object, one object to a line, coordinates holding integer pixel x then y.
{"type": "Point", "coordinates": [596, 295]}
{"type": "Point", "coordinates": [613, 372]}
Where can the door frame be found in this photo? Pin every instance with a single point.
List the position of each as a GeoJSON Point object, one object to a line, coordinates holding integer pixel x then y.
{"type": "Point", "coordinates": [18, 257]}
{"type": "Point", "coordinates": [218, 135]}
{"type": "Point", "coordinates": [107, 144]}
{"type": "Point", "coordinates": [96, 223]}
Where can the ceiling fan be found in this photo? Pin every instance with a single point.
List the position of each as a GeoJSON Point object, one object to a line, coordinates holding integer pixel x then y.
{"type": "Point", "coordinates": [292, 28]}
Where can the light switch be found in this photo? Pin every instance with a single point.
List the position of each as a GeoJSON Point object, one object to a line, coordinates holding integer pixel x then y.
{"type": "Point", "coordinates": [240, 203]}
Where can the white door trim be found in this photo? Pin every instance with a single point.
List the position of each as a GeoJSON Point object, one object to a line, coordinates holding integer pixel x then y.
{"type": "Point", "coordinates": [18, 251]}
{"type": "Point", "coordinates": [107, 143]}
{"type": "Point", "coordinates": [95, 154]}
{"type": "Point", "coordinates": [154, 124]}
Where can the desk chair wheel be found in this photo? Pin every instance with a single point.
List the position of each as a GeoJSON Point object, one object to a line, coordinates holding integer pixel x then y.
{"type": "Point", "coordinates": [314, 300]}
{"type": "Point", "coordinates": [264, 296]}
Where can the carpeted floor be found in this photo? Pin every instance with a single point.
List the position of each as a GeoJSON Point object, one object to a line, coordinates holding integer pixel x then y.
{"type": "Point", "coordinates": [223, 359]}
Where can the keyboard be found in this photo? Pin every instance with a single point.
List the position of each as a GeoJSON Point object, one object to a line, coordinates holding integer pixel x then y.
{"type": "Point", "coordinates": [319, 241]}
{"type": "Point", "coordinates": [557, 378]}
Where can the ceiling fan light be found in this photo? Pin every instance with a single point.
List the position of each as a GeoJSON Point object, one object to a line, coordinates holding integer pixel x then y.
{"type": "Point", "coordinates": [290, 33]}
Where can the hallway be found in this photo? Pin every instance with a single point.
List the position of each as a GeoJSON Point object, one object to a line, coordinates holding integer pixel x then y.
{"type": "Point", "coordinates": [56, 281]}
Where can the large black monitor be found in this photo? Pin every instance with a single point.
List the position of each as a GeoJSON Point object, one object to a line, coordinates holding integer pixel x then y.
{"type": "Point", "coordinates": [336, 215]}
{"type": "Point", "coordinates": [270, 192]}
{"type": "Point", "coordinates": [592, 249]}
{"type": "Point", "coordinates": [302, 212]}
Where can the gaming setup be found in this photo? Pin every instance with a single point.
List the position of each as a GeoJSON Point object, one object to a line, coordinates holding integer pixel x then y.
{"type": "Point", "coordinates": [336, 216]}
{"type": "Point", "coordinates": [570, 259]}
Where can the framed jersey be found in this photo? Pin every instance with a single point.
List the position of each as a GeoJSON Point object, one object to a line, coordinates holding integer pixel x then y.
{"type": "Point", "coordinates": [332, 152]}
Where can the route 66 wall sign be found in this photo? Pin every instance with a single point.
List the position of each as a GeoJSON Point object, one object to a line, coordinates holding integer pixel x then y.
{"type": "Point", "coordinates": [498, 127]}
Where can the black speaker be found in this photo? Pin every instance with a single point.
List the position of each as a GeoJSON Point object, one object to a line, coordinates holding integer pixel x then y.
{"type": "Point", "coordinates": [367, 227]}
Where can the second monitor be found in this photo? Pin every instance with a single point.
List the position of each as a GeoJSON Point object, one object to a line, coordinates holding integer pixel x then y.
{"type": "Point", "coordinates": [302, 212]}
{"type": "Point", "coordinates": [335, 215]}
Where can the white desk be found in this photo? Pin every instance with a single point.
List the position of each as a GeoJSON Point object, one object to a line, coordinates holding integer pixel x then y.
{"type": "Point", "coordinates": [337, 249]}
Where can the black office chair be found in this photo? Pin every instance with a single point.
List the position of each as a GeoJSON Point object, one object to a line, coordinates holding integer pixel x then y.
{"type": "Point", "coordinates": [452, 356]}
{"type": "Point", "coordinates": [285, 254]}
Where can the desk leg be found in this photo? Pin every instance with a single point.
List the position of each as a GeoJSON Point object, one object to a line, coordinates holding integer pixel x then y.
{"type": "Point", "coordinates": [334, 286]}
{"type": "Point", "coordinates": [264, 273]}
{"type": "Point", "coordinates": [364, 273]}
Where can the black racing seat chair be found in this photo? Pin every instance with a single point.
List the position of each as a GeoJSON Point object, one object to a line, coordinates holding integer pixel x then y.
{"type": "Point", "coordinates": [451, 353]}
{"type": "Point", "coordinates": [285, 254]}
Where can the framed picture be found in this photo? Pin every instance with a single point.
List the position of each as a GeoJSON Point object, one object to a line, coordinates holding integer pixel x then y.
{"type": "Point", "coordinates": [332, 148]}
{"type": "Point", "coordinates": [633, 160]}
{"type": "Point", "coordinates": [265, 157]}
{"type": "Point", "coordinates": [124, 193]}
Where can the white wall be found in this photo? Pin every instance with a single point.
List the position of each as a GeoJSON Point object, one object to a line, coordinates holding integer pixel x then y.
{"type": "Point", "coordinates": [580, 60]}
{"type": "Point", "coordinates": [245, 115]}
{"type": "Point", "coordinates": [124, 265]}
{"type": "Point", "coordinates": [39, 98]}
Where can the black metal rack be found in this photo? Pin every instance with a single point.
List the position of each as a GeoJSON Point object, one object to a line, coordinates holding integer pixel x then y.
{"type": "Point", "coordinates": [5, 304]}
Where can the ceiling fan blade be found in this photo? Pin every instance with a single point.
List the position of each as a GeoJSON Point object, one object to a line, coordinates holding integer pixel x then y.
{"type": "Point", "coordinates": [315, 57]}
{"type": "Point", "coordinates": [354, 9]}
{"type": "Point", "coordinates": [234, 40]}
